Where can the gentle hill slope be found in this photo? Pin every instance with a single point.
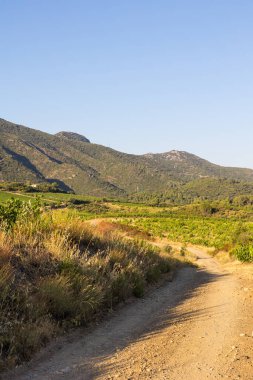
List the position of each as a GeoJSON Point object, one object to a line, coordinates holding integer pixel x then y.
{"type": "Point", "coordinates": [28, 154]}
{"type": "Point", "coordinates": [71, 160]}
{"type": "Point", "coordinates": [189, 167]}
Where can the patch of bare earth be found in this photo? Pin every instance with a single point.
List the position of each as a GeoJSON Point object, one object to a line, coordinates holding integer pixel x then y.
{"type": "Point", "coordinates": [197, 327]}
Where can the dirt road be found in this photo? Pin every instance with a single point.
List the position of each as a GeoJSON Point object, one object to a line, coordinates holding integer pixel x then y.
{"type": "Point", "coordinates": [197, 327]}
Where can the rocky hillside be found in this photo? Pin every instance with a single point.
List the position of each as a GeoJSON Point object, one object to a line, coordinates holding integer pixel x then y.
{"type": "Point", "coordinates": [187, 166]}
{"type": "Point", "coordinates": [72, 136]}
{"type": "Point", "coordinates": [71, 160]}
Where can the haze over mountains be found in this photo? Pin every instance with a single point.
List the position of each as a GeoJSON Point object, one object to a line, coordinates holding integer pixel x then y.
{"type": "Point", "coordinates": [75, 163]}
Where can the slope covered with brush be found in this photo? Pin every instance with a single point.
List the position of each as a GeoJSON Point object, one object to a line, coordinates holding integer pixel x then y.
{"type": "Point", "coordinates": [76, 164]}
{"type": "Point", "coordinates": [86, 168]}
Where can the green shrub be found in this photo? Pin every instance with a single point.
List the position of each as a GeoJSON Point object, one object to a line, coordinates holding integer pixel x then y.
{"type": "Point", "coordinates": [138, 284]}
{"type": "Point", "coordinates": [57, 295]}
{"type": "Point", "coordinates": [153, 274]}
{"type": "Point", "coordinates": [244, 253]}
{"type": "Point", "coordinates": [87, 297]}
{"type": "Point", "coordinates": [9, 213]}
{"type": "Point", "coordinates": [168, 248]}
{"type": "Point", "coordinates": [121, 287]}
{"type": "Point", "coordinates": [14, 210]}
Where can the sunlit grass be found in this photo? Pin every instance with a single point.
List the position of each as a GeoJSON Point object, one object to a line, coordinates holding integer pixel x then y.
{"type": "Point", "coordinates": [56, 272]}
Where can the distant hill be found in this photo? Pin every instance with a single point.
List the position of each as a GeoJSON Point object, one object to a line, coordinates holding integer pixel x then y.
{"type": "Point", "coordinates": [187, 166]}
{"type": "Point", "coordinates": [74, 163]}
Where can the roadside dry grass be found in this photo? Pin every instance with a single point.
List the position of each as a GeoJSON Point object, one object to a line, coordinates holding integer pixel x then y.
{"type": "Point", "coordinates": [57, 272]}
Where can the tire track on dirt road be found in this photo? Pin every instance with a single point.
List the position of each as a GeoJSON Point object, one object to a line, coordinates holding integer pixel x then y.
{"type": "Point", "coordinates": [197, 327]}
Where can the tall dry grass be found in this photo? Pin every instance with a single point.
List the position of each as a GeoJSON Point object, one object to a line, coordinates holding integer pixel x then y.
{"type": "Point", "coordinates": [56, 273]}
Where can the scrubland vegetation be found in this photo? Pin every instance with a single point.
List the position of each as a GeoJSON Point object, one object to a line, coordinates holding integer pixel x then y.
{"type": "Point", "coordinates": [56, 272]}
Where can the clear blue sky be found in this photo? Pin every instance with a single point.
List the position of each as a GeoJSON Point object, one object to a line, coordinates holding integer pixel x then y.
{"type": "Point", "coordinates": [137, 75]}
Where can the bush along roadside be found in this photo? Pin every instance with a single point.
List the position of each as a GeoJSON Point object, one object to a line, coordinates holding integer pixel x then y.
{"type": "Point", "coordinates": [243, 253]}
{"type": "Point", "coordinates": [58, 274]}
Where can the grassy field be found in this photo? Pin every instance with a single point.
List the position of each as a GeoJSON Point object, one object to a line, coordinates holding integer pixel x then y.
{"type": "Point", "coordinates": [46, 197]}
{"type": "Point", "coordinates": [5, 196]}
{"type": "Point", "coordinates": [59, 270]}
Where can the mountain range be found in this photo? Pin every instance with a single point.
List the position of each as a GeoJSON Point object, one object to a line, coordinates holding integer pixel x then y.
{"type": "Point", "coordinates": [75, 163]}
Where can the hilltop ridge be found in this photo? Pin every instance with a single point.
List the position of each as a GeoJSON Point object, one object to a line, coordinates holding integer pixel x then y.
{"type": "Point", "coordinates": [72, 136]}
{"type": "Point", "coordinates": [71, 160]}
